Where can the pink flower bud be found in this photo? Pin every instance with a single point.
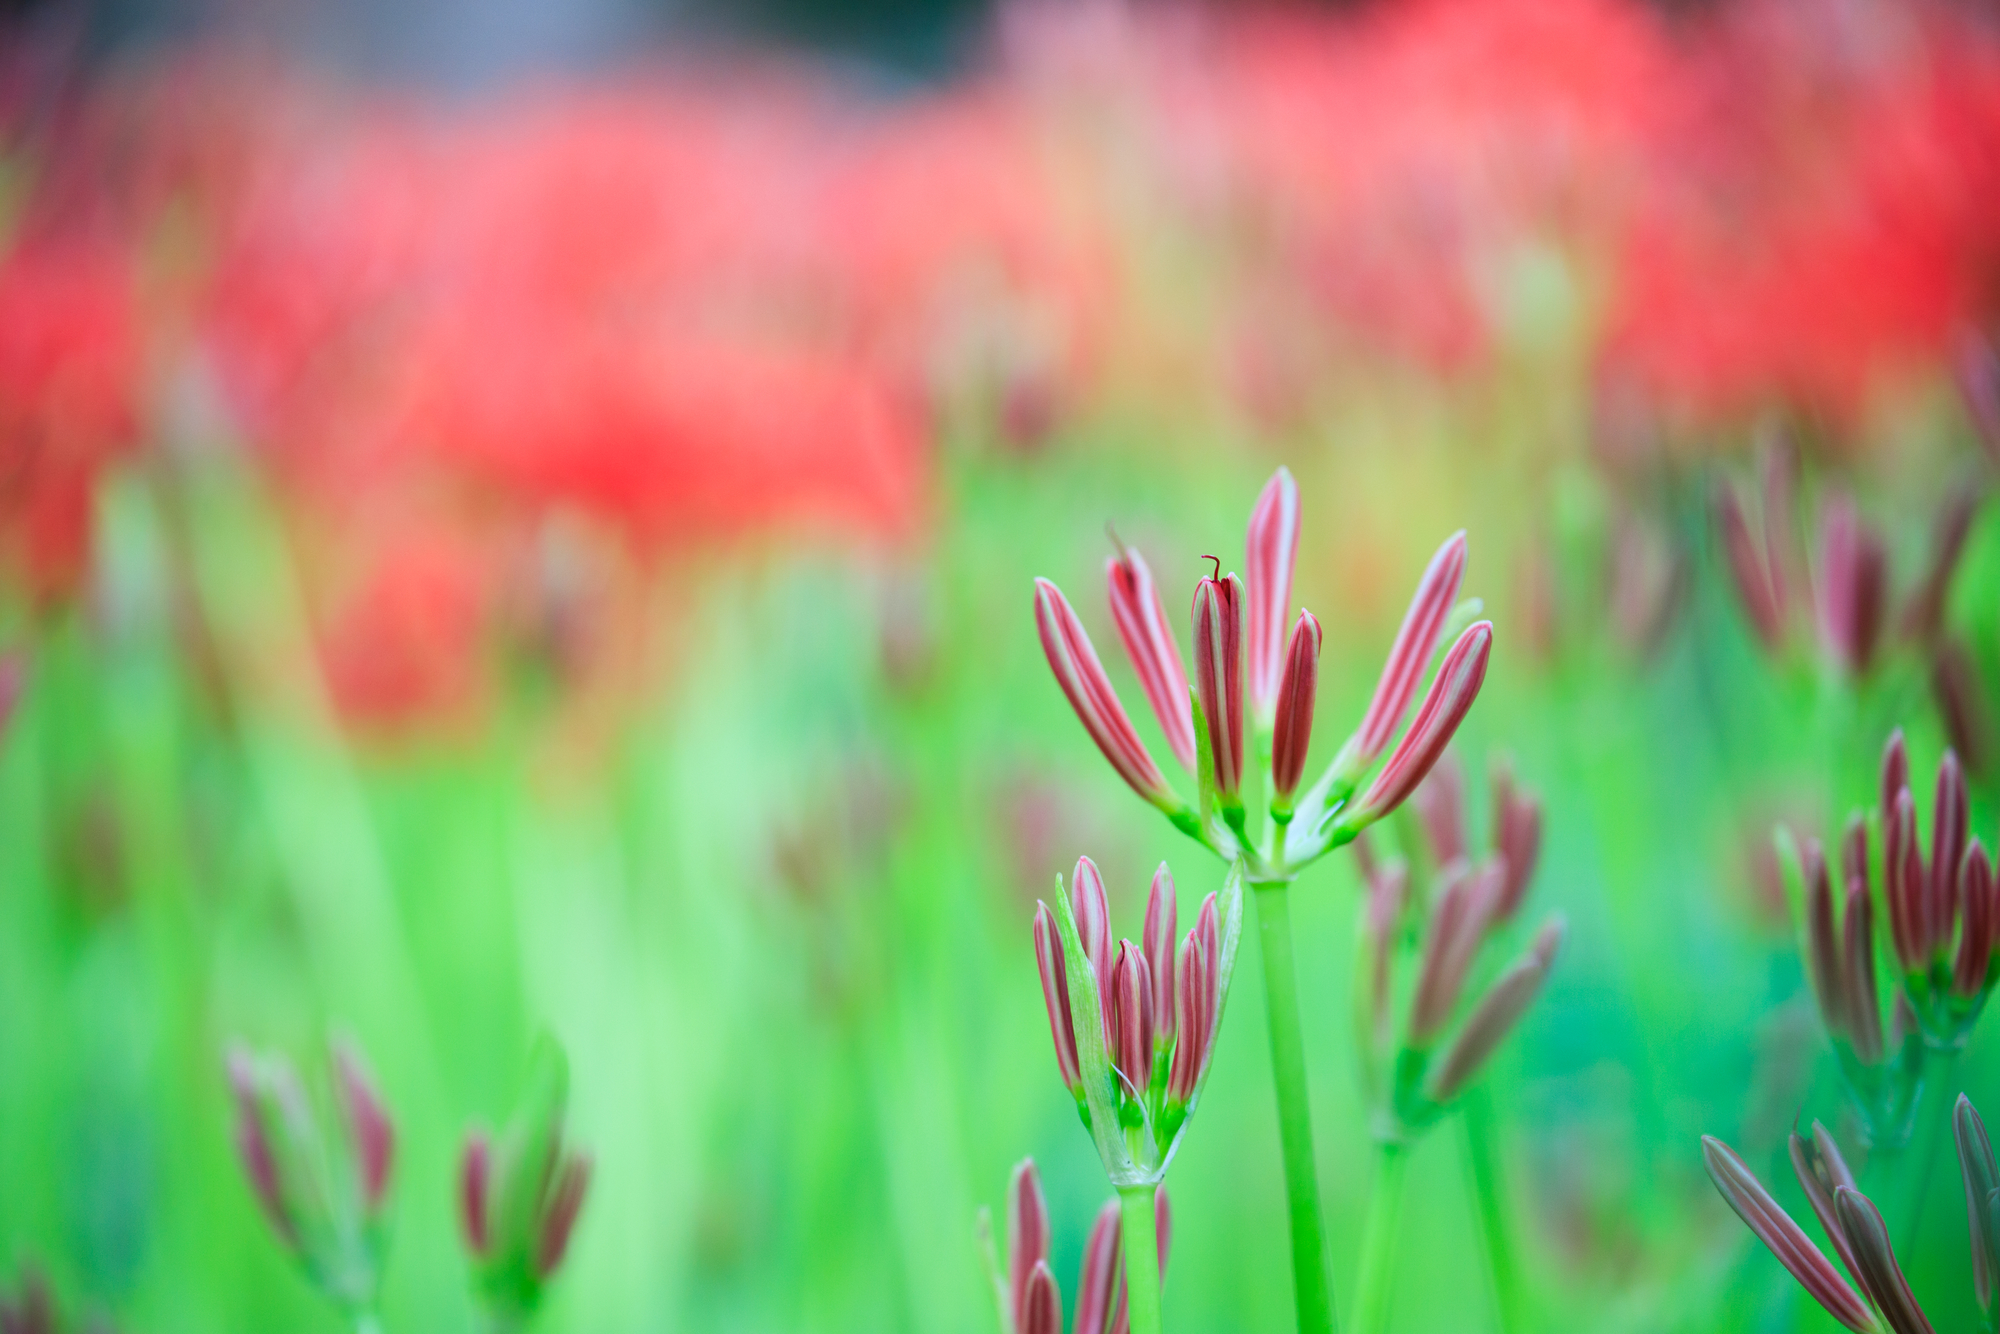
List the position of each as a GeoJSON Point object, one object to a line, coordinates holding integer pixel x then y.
{"type": "Point", "coordinates": [1458, 922]}
{"type": "Point", "coordinates": [1093, 918]}
{"type": "Point", "coordinates": [1497, 1013]}
{"type": "Point", "coordinates": [1981, 1177]}
{"type": "Point", "coordinates": [1821, 1171]}
{"type": "Point", "coordinates": [1271, 553]}
{"type": "Point", "coordinates": [1292, 727]}
{"type": "Point", "coordinates": [475, 1177]}
{"type": "Point", "coordinates": [1440, 803]}
{"type": "Point", "coordinates": [1457, 685]}
{"type": "Point", "coordinates": [1864, 1002]}
{"type": "Point", "coordinates": [1977, 915]}
{"type": "Point", "coordinates": [1436, 593]}
{"type": "Point", "coordinates": [1142, 624]}
{"type": "Point", "coordinates": [1055, 995]}
{"type": "Point", "coordinates": [1895, 770]}
{"type": "Point", "coordinates": [1199, 1000]}
{"type": "Point", "coordinates": [1762, 602]}
{"type": "Point", "coordinates": [368, 1127]}
{"type": "Point", "coordinates": [1904, 885]}
{"type": "Point", "coordinates": [1027, 1233]}
{"type": "Point", "coordinates": [1158, 941]}
{"type": "Point", "coordinates": [1132, 1017]}
{"type": "Point", "coordinates": [1853, 585]}
{"type": "Point", "coordinates": [1517, 819]}
{"type": "Point", "coordinates": [1823, 939]}
{"type": "Point", "coordinates": [253, 1143]}
{"type": "Point", "coordinates": [1786, 1240]}
{"type": "Point", "coordinates": [1868, 1237]}
{"type": "Point", "coordinates": [1100, 1287]}
{"type": "Point", "coordinates": [1218, 674]}
{"type": "Point", "coordinates": [1949, 817]}
{"type": "Point", "coordinates": [560, 1209]}
{"type": "Point", "coordinates": [1083, 681]}
{"type": "Point", "coordinates": [1040, 1311]}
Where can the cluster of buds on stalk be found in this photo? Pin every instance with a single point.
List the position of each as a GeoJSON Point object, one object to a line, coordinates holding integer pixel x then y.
{"type": "Point", "coordinates": [325, 1195]}
{"type": "Point", "coordinates": [519, 1195]}
{"type": "Point", "coordinates": [1254, 682]}
{"type": "Point", "coordinates": [1940, 912]}
{"type": "Point", "coordinates": [1135, 1024]}
{"type": "Point", "coordinates": [1878, 1298]}
{"type": "Point", "coordinates": [1025, 1290]}
{"type": "Point", "coordinates": [1443, 908]}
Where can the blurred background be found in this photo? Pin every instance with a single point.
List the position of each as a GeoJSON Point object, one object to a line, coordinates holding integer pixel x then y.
{"type": "Point", "coordinates": [518, 517]}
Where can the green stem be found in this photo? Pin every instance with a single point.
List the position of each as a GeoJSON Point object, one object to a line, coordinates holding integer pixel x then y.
{"type": "Point", "coordinates": [1922, 1158]}
{"type": "Point", "coordinates": [1142, 1259]}
{"type": "Point", "coordinates": [1483, 1176]}
{"type": "Point", "coordinates": [1378, 1243]}
{"type": "Point", "coordinates": [1311, 1292]}
{"type": "Point", "coordinates": [368, 1323]}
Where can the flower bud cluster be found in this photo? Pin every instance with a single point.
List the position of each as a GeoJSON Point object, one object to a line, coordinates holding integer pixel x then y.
{"type": "Point", "coordinates": [1029, 1300]}
{"type": "Point", "coordinates": [1255, 683]}
{"type": "Point", "coordinates": [1420, 1056]}
{"type": "Point", "coordinates": [325, 1194]}
{"type": "Point", "coordinates": [1135, 1024]}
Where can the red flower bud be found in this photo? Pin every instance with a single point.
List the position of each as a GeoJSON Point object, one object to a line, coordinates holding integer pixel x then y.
{"type": "Point", "coordinates": [1904, 885]}
{"type": "Point", "coordinates": [368, 1127]}
{"type": "Point", "coordinates": [1976, 922]}
{"type": "Point", "coordinates": [1100, 1287]}
{"type": "Point", "coordinates": [1949, 818]}
{"type": "Point", "coordinates": [1027, 1233]}
{"type": "Point", "coordinates": [1132, 1017]}
{"type": "Point", "coordinates": [1436, 594]}
{"type": "Point", "coordinates": [253, 1143]}
{"type": "Point", "coordinates": [1158, 942]}
{"type": "Point", "coordinates": [1199, 1000]}
{"type": "Point", "coordinates": [475, 1177]}
{"type": "Point", "coordinates": [1041, 1305]}
{"type": "Point", "coordinates": [1853, 585]}
{"type": "Point", "coordinates": [1271, 553]}
{"type": "Point", "coordinates": [1218, 674]}
{"type": "Point", "coordinates": [1786, 1240]}
{"type": "Point", "coordinates": [1055, 995]}
{"type": "Point", "coordinates": [1457, 685]}
{"type": "Point", "coordinates": [1297, 689]}
{"type": "Point", "coordinates": [1089, 691]}
{"type": "Point", "coordinates": [1142, 624]}
{"type": "Point", "coordinates": [1093, 918]}
{"type": "Point", "coordinates": [560, 1209]}
{"type": "Point", "coordinates": [1458, 922]}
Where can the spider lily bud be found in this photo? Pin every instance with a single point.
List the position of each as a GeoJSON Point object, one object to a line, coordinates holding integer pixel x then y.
{"type": "Point", "coordinates": [1027, 1237]}
{"type": "Point", "coordinates": [1756, 583]}
{"type": "Point", "coordinates": [1100, 1288]}
{"type": "Point", "coordinates": [1821, 1171]}
{"type": "Point", "coordinates": [1457, 925]}
{"type": "Point", "coordinates": [1041, 1304]}
{"type": "Point", "coordinates": [1880, 1274]}
{"type": "Point", "coordinates": [324, 1196]}
{"type": "Point", "coordinates": [1132, 1018]}
{"type": "Point", "coordinates": [1982, 1182]}
{"type": "Point", "coordinates": [1823, 939]}
{"type": "Point", "coordinates": [1423, 623]}
{"type": "Point", "coordinates": [1457, 685]}
{"type": "Point", "coordinates": [1271, 552]}
{"type": "Point", "coordinates": [1975, 934]}
{"type": "Point", "coordinates": [1853, 586]}
{"type": "Point", "coordinates": [520, 1194]}
{"type": "Point", "coordinates": [1055, 995]}
{"type": "Point", "coordinates": [1440, 803]}
{"type": "Point", "coordinates": [1081, 676]}
{"type": "Point", "coordinates": [1199, 1004]}
{"type": "Point", "coordinates": [1218, 674]}
{"type": "Point", "coordinates": [1949, 815]}
{"type": "Point", "coordinates": [1786, 1240]}
{"type": "Point", "coordinates": [1093, 918]}
{"type": "Point", "coordinates": [1904, 887]}
{"type": "Point", "coordinates": [1292, 733]}
{"type": "Point", "coordinates": [1158, 941]}
{"type": "Point", "coordinates": [1895, 770]}
{"type": "Point", "coordinates": [1863, 1017]}
{"type": "Point", "coordinates": [1499, 1010]}
{"type": "Point", "coordinates": [1517, 820]}
{"type": "Point", "coordinates": [1142, 624]}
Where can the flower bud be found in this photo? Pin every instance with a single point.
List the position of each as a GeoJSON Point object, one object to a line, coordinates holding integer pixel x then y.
{"type": "Point", "coordinates": [1218, 675]}
{"type": "Point", "coordinates": [1423, 623]}
{"type": "Point", "coordinates": [1458, 922]}
{"type": "Point", "coordinates": [1868, 1237]}
{"type": "Point", "coordinates": [565, 1202]}
{"type": "Point", "coordinates": [1976, 919]}
{"type": "Point", "coordinates": [1923, 620]}
{"type": "Point", "coordinates": [1853, 585]}
{"type": "Point", "coordinates": [1895, 770]}
{"type": "Point", "coordinates": [1982, 1178]}
{"type": "Point", "coordinates": [1786, 1240]}
{"type": "Point", "coordinates": [1956, 688]}
{"type": "Point", "coordinates": [254, 1145]}
{"type": "Point", "coordinates": [1142, 624]}
{"type": "Point", "coordinates": [1440, 803]}
{"type": "Point", "coordinates": [1762, 602]}
{"type": "Point", "coordinates": [1027, 1233]}
{"type": "Point", "coordinates": [1055, 995]}
{"type": "Point", "coordinates": [1158, 942]}
{"type": "Point", "coordinates": [1949, 818]}
{"type": "Point", "coordinates": [1297, 693]}
{"type": "Point", "coordinates": [1904, 886]}
{"type": "Point", "coordinates": [1132, 1017]}
{"type": "Point", "coordinates": [1093, 918]}
{"type": "Point", "coordinates": [1451, 695]}
{"type": "Point", "coordinates": [1517, 818]}
{"type": "Point", "coordinates": [1271, 552]}
{"type": "Point", "coordinates": [1864, 1001]}
{"type": "Point", "coordinates": [1081, 676]}
{"type": "Point", "coordinates": [475, 1174]}
{"type": "Point", "coordinates": [1821, 1171]}
{"type": "Point", "coordinates": [1823, 938]}
{"type": "Point", "coordinates": [1100, 1287]}
{"type": "Point", "coordinates": [369, 1131]}
{"type": "Point", "coordinates": [1041, 1305]}
{"type": "Point", "coordinates": [1498, 1011]}
{"type": "Point", "coordinates": [1199, 1000]}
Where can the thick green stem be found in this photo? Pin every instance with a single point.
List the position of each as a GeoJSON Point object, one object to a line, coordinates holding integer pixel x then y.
{"type": "Point", "coordinates": [1142, 1259]}
{"type": "Point", "coordinates": [1311, 1292]}
{"type": "Point", "coordinates": [1378, 1243]}
{"type": "Point", "coordinates": [1482, 1176]}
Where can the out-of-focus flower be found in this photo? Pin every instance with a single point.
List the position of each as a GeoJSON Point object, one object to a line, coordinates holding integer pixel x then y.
{"type": "Point", "coordinates": [520, 1192]}
{"type": "Point", "coordinates": [325, 1196]}
{"type": "Point", "coordinates": [29, 1309]}
{"type": "Point", "coordinates": [1135, 1025]}
{"type": "Point", "coordinates": [1025, 1289]}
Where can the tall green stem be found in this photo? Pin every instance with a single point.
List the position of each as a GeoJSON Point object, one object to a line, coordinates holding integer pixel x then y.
{"type": "Point", "coordinates": [1312, 1294]}
{"type": "Point", "coordinates": [1378, 1243]}
{"type": "Point", "coordinates": [1483, 1176]}
{"type": "Point", "coordinates": [1142, 1259]}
